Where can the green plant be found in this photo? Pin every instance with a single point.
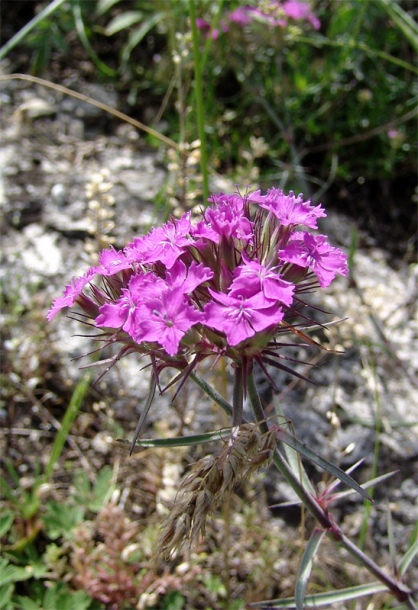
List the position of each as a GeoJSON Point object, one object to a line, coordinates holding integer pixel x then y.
{"type": "Point", "coordinates": [57, 596]}
{"type": "Point", "coordinates": [339, 100]}
{"type": "Point", "coordinates": [42, 43]}
{"type": "Point", "coordinates": [24, 518]}
{"type": "Point", "coordinates": [315, 98]}
{"type": "Point", "coordinates": [225, 287]}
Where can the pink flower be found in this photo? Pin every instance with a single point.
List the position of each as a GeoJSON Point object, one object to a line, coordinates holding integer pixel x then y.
{"type": "Point", "coordinates": [228, 277]}
{"type": "Point", "coordinates": [289, 209]}
{"type": "Point", "coordinates": [203, 25]}
{"type": "Point", "coordinates": [301, 11]}
{"type": "Point", "coordinates": [71, 292]}
{"type": "Point", "coordinates": [166, 319]}
{"type": "Point", "coordinates": [188, 278]}
{"type": "Point", "coordinates": [227, 218]}
{"type": "Point", "coordinates": [226, 286]}
{"type": "Point", "coordinates": [241, 318]}
{"type": "Point", "coordinates": [275, 13]}
{"type": "Point", "coordinates": [251, 278]}
{"type": "Point", "coordinates": [314, 252]}
{"type": "Point", "coordinates": [164, 244]}
{"type": "Point", "coordinates": [239, 16]}
{"type": "Point", "coordinates": [206, 28]}
{"type": "Point", "coordinates": [112, 261]}
{"type": "Point", "coordinates": [123, 312]}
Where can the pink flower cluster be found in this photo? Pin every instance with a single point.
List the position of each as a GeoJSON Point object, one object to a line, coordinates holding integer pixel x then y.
{"type": "Point", "coordinates": [223, 285]}
{"type": "Point", "coordinates": [275, 13]}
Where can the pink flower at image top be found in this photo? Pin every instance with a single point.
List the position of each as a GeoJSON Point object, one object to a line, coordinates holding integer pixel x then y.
{"type": "Point", "coordinates": [274, 13]}
{"type": "Point", "coordinates": [277, 13]}
{"type": "Point", "coordinates": [223, 284]}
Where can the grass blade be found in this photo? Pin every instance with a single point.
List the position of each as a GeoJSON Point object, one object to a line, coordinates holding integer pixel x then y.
{"type": "Point", "coordinates": [151, 394]}
{"type": "Point", "coordinates": [71, 413]}
{"type": "Point", "coordinates": [322, 600]}
{"type": "Point", "coordinates": [181, 441]}
{"type": "Point", "coordinates": [410, 554]}
{"type": "Point", "coordinates": [405, 23]}
{"type": "Point", "coordinates": [293, 458]}
{"type": "Point", "coordinates": [306, 565]}
{"type": "Point", "coordinates": [293, 442]}
{"type": "Point", "coordinates": [82, 34]}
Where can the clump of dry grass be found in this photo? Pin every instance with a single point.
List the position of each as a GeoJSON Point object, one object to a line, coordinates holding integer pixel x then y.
{"type": "Point", "coordinates": [210, 483]}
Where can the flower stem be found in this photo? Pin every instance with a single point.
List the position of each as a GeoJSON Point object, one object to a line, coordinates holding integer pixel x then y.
{"type": "Point", "coordinates": [279, 461]}
{"type": "Point", "coordinates": [199, 100]}
{"type": "Point", "coordinates": [401, 592]}
{"type": "Point", "coordinates": [238, 396]}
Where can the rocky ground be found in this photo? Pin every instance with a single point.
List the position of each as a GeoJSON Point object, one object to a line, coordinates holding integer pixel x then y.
{"type": "Point", "coordinates": [53, 153]}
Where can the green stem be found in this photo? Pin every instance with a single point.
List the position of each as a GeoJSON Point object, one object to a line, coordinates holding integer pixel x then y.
{"type": "Point", "coordinates": [400, 591]}
{"type": "Point", "coordinates": [282, 466]}
{"type": "Point", "coordinates": [210, 39]}
{"type": "Point", "coordinates": [199, 101]}
{"type": "Point", "coordinates": [238, 396]}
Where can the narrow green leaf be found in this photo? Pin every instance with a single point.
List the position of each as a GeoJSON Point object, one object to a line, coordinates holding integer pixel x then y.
{"type": "Point", "coordinates": [104, 5]}
{"type": "Point", "coordinates": [405, 23]}
{"type": "Point", "coordinates": [306, 565]}
{"type": "Point", "coordinates": [82, 34]}
{"type": "Point", "coordinates": [67, 422]}
{"type": "Point", "coordinates": [6, 521]}
{"type": "Point", "coordinates": [12, 472]}
{"type": "Point", "coordinates": [123, 21]}
{"type": "Point", "coordinates": [293, 457]}
{"type": "Point", "coordinates": [181, 441]}
{"type": "Point", "coordinates": [150, 398]}
{"type": "Point", "coordinates": [139, 34]}
{"type": "Point", "coordinates": [7, 491]}
{"type": "Point", "coordinates": [212, 393]}
{"type": "Point", "coordinates": [371, 483]}
{"type": "Point", "coordinates": [371, 422]}
{"type": "Point", "coordinates": [293, 442]}
{"type": "Point", "coordinates": [320, 600]}
{"type": "Point", "coordinates": [33, 23]}
{"type": "Point", "coordinates": [6, 592]}
{"type": "Point", "coordinates": [409, 556]}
